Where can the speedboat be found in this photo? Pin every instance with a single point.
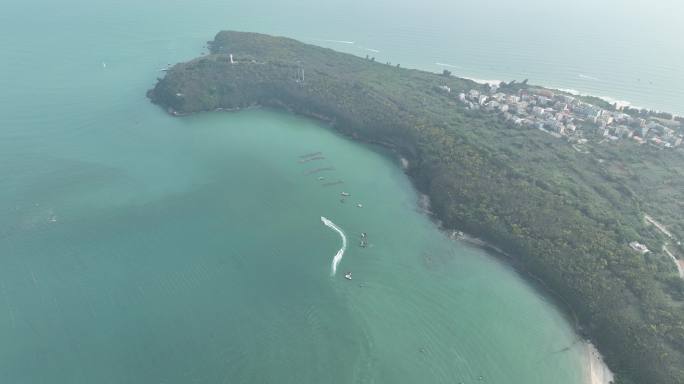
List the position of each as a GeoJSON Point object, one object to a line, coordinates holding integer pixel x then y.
{"type": "Point", "coordinates": [348, 276]}
{"type": "Point", "coordinates": [359, 205]}
{"type": "Point", "coordinates": [345, 194]}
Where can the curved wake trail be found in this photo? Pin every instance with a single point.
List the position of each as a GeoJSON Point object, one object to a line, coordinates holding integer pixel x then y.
{"type": "Point", "coordinates": [340, 253]}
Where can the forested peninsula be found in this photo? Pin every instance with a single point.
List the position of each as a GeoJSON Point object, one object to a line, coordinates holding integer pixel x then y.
{"type": "Point", "coordinates": [568, 215]}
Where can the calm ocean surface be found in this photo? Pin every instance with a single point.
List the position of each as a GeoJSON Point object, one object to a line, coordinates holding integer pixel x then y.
{"type": "Point", "coordinates": [140, 248]}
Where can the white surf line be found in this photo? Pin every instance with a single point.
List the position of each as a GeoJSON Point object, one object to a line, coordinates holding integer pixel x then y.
{"type": "Point", "coordinates": [479, 81]}
{"type": "Point", "coordinates": [336, 41]}
{"type": "Point", "coordinates": [340, 253]}
{"type": "Point", "coordinates": [482, 81]}
{"type": "Point", "coordinates": [608, 99]}
{"type": "Point", "coordinates": [448, 65]}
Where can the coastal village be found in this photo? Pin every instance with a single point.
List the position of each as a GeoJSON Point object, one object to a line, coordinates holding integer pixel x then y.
{"type": "Point", "coordinates": [566, 116]}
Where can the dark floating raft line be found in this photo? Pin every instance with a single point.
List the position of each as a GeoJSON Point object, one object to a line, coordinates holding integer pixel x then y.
{"type": "Point", "coordinates": [332, 183]}
{"type": "Point", "coordinates": [312, 171]}
{"type": "Point", "coordinates": [312, 159]}
{"type": "Point", "coordinates": [310, 155]}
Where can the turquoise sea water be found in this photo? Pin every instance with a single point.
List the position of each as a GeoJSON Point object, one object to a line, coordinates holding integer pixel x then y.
{"type": "Point", "coordinates": [140, 248]}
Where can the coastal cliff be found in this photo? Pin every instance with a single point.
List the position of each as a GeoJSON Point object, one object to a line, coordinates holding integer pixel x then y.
{"type": "Point", "coordinates": [567, 220]}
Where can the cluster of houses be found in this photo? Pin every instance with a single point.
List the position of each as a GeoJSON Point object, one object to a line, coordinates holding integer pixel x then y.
{"type": "Point", "coordinates": [564, 115]}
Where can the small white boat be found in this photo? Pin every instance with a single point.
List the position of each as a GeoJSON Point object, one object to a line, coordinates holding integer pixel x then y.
{"type": "Point", "coordinates": [359, 205]}
{"type": "Point", "coordinates": [345, 194]}
{"type": "Point", "coordinates": [348, 276]}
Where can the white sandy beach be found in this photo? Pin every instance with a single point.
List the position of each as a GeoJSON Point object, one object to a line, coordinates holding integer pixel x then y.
{"type": "Point", "coordinates": [597, 371]}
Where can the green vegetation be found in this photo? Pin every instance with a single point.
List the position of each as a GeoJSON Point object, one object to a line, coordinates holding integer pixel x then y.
{"type": "Point", "coordinates": [568, 216]}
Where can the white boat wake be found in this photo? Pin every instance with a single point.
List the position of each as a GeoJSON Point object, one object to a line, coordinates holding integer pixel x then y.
{"type": "Point", "coordinates": [340, 253]}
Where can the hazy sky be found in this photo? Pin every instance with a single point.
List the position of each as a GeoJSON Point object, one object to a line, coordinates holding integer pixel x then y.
{"type": "Point", "coordinates": [633, 48]}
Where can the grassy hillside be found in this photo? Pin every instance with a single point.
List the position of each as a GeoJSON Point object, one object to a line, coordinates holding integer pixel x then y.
{"type": "Point", "coordinates": [569, 216]}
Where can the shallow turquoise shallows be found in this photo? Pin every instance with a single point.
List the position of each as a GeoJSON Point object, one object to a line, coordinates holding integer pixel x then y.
{"type": "Point", "coordinates": [140, 248]}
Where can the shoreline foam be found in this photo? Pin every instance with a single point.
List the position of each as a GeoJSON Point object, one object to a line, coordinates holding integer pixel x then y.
{"type": "Point", "coordinates": [608, 99]}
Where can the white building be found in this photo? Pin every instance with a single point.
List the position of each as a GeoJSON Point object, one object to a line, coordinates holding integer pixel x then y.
{"type": "Point", "coordinates": [639, 247]}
